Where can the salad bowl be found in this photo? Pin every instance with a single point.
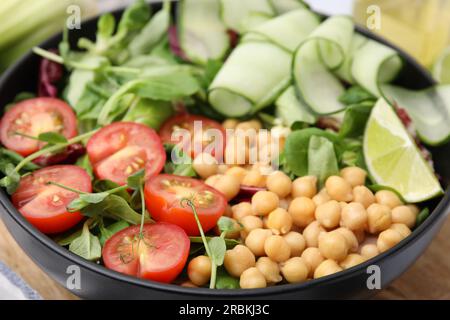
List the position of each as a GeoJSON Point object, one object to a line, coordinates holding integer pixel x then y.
{"type": "Point", "coordinates": [92, 281]}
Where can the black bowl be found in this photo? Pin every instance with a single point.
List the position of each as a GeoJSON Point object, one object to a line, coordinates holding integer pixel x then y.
{"type": "Point", "coordinates": [97, 282]}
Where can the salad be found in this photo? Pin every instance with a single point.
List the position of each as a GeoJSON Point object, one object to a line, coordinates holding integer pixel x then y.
{"type": "Point", "coordinates": [246, 144]}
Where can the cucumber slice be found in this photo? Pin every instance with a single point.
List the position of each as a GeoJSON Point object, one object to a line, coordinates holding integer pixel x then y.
{"type": "Point", "coordinates": [345, 71]}
{"type": "Point", "coordinates": [251, 78]}
{"type": "Point", "coordinates": [287, 30]}
{"type": "Point", "coordinates": [375, 64]}
{"type": "Point", "coordinates": [429, 110]}
{"type": "Point", "coordinates": [234, 12]}
{"type": "Point", "coordinates": [253, 20]}
{"type": "Point", "coordinates": [283, 6]}
{"type": "Point", "coordinates": [203, 35]}
{"type": "Point", "coordinates": [325, 50]}
{"type": "Point", "coordinates": [292, 110]}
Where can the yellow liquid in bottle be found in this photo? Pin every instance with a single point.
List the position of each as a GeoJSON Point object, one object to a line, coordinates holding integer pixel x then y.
{"type": "Point", "coordinates": [420, 27]}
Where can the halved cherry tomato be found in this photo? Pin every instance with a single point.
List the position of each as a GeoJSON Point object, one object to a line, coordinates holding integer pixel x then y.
{"type": "Point", "coordinates": [205, 135]}
{"type": "Point", "coordinates": [164, 194]}
{"type": "Point", "coordinates": [33, 117]}
{"type": "Point", "coordinates": [122, 148]}
{"type": "Point", "coordinates": [44, 205]}
{"type": "Point", "coordinates": [159, 256]}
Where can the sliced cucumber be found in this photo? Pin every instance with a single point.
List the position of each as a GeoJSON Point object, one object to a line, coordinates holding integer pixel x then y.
{"type": "Point", "coordinates": [429, 110]}
{"type": "Point", "coordinates": [253, 20]}
{"type": "Point", "coordinates": [345, 71]}
{"type": "Point", "coordinates": [283, 6]}
{"type": "Point", "coordinates": [291, 110]}
{"type": "Point", "coordinates": [203, 35]}
{"type": "Point", "coordinates": [251, 78]}
{"type": "Point", "coordinates": [374, 64]}
{"type": "Point", "coordinates": [234, 12]}
{"type": "Point", "coordinates": [287, 30]}
{"type": "Point", "coordinates": [326, 49]}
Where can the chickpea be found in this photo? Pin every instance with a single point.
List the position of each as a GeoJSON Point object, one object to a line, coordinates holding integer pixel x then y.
{"type": "Point", "coordinates": [404, 214]}
{"type": "Point", "coordinates": [354, 216]}
{"type": "Point", "coordinates": [321, 197]}
{"type": "Point", "coordinates": [333, 245]}
{"type": "Point", "coordinates": [304, 187]}
{"type": "Point", "coordinates": [302, 210]}
{"type": "Point", "coordinates": [279, 183]}
{"type": "Point", "coordinates": [387, 239]}
{"type": "Point", "coordinates": [264, 202]}
{"type": "Point", "coordinates": [295, 270]}
{"type": "Point", "coordinates": [329, 214]}
{"type": "Point", "coordinates": [205, 165]}
{"type": "Point", "coordinates": [256, 239]}
{"type": "Point", "coordinates": [269, 269]}
{"type": "Point", "coordinates": [242, 209]}
{"type": "Point", "coordinates": [254, 178]}
{"type": "Point", "coordinates": [368, 251]}
{"type": "Point", "coordinates": [237, 172]}
{"type": "Point", "coordinates": [339, 189]}
{"type": "Point", "coordinates": [228, 185]}
{"type": "Point", "coordinates": [379, 218]}
{"type": "Point", "coordinates": [363, 195]}
{"type": "Point", "coordinates": [199, 270]}
{"type": "Point", "coordinates": [401, 228]}
{"type": "Point", "coordinates": [236, 151]}
{"type": "Point", "coordinates": [250, 223]}
{"type": "Point", "coordinates": [313, 258]}
{"type": "Point", "coordinates": [342, 204]}
{"type": "Point", "coordinates": [279, 221]}
{"type": "Point", "coordinates": [352, 241]}
{"type": "Point", "coordinates": [277, 248]}
{"type": "Point", "coordinates": [212, 180]}
{"type": "Point", "coordinates": [284, 203]}
{"type": "Point", "coordinates": [311, 234]}
{"type": "Point", "coordinates": [415, 209]}
{"type": "Point", "coordinates": [249, 125]}
{"type": "Point", "coordinates": [188, 284]}
{"type": "Point", "coordinates": [296, 242]}
{"type": "Point", "coordinates": [354, 175]}
{"type": "Point", "coordinates": [326, 268]}
{"type": "Point", "coordinates": [388, 198]}
{"type": "Point", "coordinates": [352, 260]}
{"type": "Point", "coordinates": [252, 278]}
{"type": "Point", "coordinates": [230, 123]}
{"type": "Point", "coordinates": [222, 168]}
{"type": "Point", "coordinates": [238, 259]}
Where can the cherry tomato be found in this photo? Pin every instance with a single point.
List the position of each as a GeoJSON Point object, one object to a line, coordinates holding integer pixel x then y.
{"type": "Point", "coordinates": [205, 135]}
{"type": "Point", "coordinates": [164, 194]}
{"type": "Point", "coordinates": [122, 148]}
{"type": "Point", "coordinates": [44, 205]}
{"type": "Point", "coordinates": [33, 117]}
{"type": "Point", "coordinates": [159, 256]}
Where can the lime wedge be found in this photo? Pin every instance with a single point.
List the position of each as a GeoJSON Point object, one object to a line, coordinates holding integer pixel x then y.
{"type": "Point", "coordinates": [393, 158]}
{"type": "Point", "coordinates": [441, 69]}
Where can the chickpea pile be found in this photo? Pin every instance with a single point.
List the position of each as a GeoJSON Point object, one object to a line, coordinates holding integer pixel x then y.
{"type": "Point", "coordinates": [293, 232]}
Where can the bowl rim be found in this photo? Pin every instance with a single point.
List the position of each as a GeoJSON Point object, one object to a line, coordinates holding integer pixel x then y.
{"type": "Point", "coordinates": [441, 209]}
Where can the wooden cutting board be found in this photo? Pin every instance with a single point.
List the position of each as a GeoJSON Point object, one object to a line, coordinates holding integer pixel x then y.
{"type": "Point", "coordinates": [428, 278]}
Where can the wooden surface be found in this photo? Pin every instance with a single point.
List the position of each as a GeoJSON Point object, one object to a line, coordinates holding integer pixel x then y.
{"type": "Point", "coordinates": [428, 278]}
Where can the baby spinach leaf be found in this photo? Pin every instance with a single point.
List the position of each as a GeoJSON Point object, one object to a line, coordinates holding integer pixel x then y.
{"type": "Point", "coordinates": [134, 17]}
{"type": "Point", "coordinates": [218, 248]}
{"type": "Point", "coordinates": [226, 224]}
{"type": "Point", "coordinates": [86, 245]}
{"type": "Point", "coordinates": [11, 157]}
{"type": "Point", "coordinates": [113, 207]}
{"type": "Point", "coordinates": [136, 180]}
{"type": "Point", "coordinates": [93, 197]}
{"type": "Point", "coordinates": [225, 281]}
{"type": "Point", "coordinates": [149, 112]}
{"type": "Point", "coordinates": [355, 95]}
{"type": "Point", "coordinates": [296, 148]}
{"type": "Point", "coordinates": [355, 119]}
{"type": "Point", "coordinates": [105, 185]}
{"type": "Point", "coordinates": [106, 26]}
{"type": "Point", "coordinates": [109, 231]}
{"type": "Point", "coordinates": [322, 161]}
{"type": "Point", "coordinates": [84, 163]}
{"type": "Point", "coordinates": [76, 205]}
{"type": "Point", "coordinates": [11, 180]}
{"type": "Point", "coordinates": [52, 137]}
